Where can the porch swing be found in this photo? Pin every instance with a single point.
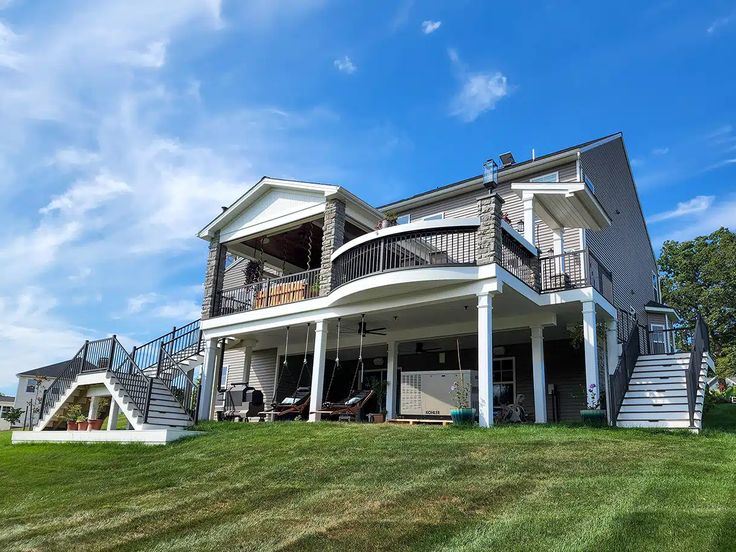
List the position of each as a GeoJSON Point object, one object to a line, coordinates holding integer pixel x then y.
{"type": "Point", "coordinates": [296, 404]}
{"type": "Point", "coordinates": [351, 408]}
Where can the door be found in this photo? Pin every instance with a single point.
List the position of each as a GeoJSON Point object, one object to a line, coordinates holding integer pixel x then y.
{"type": "Point", "coordinates": [657, 339]}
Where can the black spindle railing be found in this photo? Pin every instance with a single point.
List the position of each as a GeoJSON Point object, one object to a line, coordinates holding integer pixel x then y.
{"type": "Point", "coordinates": [618, 381]}
{"type": "Point", "coordinates": [701, 345]}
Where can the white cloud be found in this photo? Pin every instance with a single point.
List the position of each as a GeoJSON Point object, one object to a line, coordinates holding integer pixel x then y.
{"type": "Point", "coordinates": [428, 27]}
{"type": "Point", "coordinates": [698, 204]}
{"type": "Point", "coordinates": [9, 57]}
{"type": "Point", "coordinates": [87, 195]}
{"type": "Point", "coordinates": [719, 23]}
{"type": "Point", "coordinates": [153, 56]}
{"type": "Point", "coordinates": [68, 158]}
{"type": "Point", "coordinates": [720, 164]}
{"type": "Point", "coordinates": [345, 65]}
{"type": "Point", "coordinates": [137, 303]}
{"type": "Point", "coordinates": [479, 92]}
{"type": "Point", "coordinates": [32, 336]}
{"type": "Point", "coordinates": [179, 311]}
{"type": "Point", "coordinates": [661, 151]}
{"type": "Point", "coordinates": [721, 214]}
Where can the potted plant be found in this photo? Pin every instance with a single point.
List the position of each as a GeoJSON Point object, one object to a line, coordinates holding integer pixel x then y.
{"type": "Point", "coordinates": [82, 422]}
{"type": "Point", "coordinates": [379, 388]}
{"type": "Point", "coordinates": [96, 423]}
{"type": "Point", "coordinates": [593, 415]}
{"type": "Point", "coordinates": [70, 415]}
{"type": "Point", "coordinates": [389, 219]}
{"type": "Point", "coordinates": [460, 392]}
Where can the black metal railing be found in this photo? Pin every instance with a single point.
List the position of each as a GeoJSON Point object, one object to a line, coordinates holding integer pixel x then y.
{"type": "Point", "coordinates": [670, 340]}
{"type": "Point", "coordinates": [179, 382]}
{"type": "Point", "coordinates": [575, 269]}
{"type": "Point", "coordinates": [618, 381]}
{"type": "Point", "coordinates": [519, 260]}
{"type": "Point", "coordinates": [412, 249]}
{"type": "Point", "coordinates": [131, 377]}
{"type": "Point", "coordinates": [701, 345]}
{"type": "Point", "coordinates": [270, 293]}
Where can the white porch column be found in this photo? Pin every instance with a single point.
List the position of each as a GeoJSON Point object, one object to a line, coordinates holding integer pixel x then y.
{"type": "Point", "coordinates": [94, 403]}
{"type": "Point", "coordinates": [538, 375]}
{"type": "Point", "coordinates": [112, 417]}
{"type": "Point", "coordinates": [208, 378]}
{"type": "Point", "coordinates": [612, 345]}
{"type": "Point", "coordinates": [391, 376]}
{"type": "Point", "coordinates": [530, 229]}
{"type": "Point", "coordinates": [318, 369]}
{"type": "Point", "coordinates": [590, 340]}
{"type": "Point", "coordinates": [558, 248]}
{"type": "Point", "coordinates": [249, 345]}
{"type": "Point", "coordinates": [485, 359]}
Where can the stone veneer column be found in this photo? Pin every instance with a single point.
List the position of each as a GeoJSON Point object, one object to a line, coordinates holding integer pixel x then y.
{"type": "Point", "coordinates": [333, 236]}
{"type": "Point", "coordinates": [214, 277]}
{"type": "Point", "coordinates": [488, 235]}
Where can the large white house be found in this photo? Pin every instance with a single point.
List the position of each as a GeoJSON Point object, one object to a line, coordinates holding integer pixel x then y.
{"type": "Point", "coordinates": [535, 279]}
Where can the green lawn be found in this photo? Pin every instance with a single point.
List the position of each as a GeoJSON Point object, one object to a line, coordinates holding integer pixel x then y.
{"type": "Point", "coordinates": [296, 486]}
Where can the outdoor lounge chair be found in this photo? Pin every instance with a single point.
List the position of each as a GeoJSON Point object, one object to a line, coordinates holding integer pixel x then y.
{"type": "Point", "coordinates": [294, 406]}
{"type": "Point", "coordinates": [351, 408]}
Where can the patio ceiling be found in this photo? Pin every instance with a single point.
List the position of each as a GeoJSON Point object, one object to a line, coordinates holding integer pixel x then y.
{"type": "Point", "coordinates": [564, 204]}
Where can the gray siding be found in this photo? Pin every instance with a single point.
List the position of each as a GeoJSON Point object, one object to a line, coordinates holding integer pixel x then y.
{"type": "Point", "coordinates": [624, 247]}
{"type": "Point", "coordinates": [262, 369]}
{"type": "Point", "coordinates": [466, 205]}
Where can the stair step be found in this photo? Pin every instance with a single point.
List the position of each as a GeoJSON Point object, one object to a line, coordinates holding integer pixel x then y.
{"type": "Point", "coordinates": [648, 372]}
{"type": "Point", "coordinates": [635, 380]}
{"type": "Point", "coordinates": [670, 424]}
{"type": "Point", "coordinates": [654, 408]}
{"type": "Point", "coordinates": [656, 416]}
{"type": "Point", "coordinates": [665, 356]}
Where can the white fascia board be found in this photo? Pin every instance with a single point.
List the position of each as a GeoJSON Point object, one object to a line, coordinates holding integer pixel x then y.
{"type": "Point", "coordinates": [255, 192]}
{"type": "Point", "coordinates": [584, 200]}
{"type": "Point", "coordinates": [406, 228]}
{"type": "Point", "coordinates": [663, 310]}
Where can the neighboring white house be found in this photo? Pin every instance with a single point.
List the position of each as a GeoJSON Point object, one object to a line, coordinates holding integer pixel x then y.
{"type": "Point", "coordinates": [31, 385]}
{"type": "Point", "coordinates": [6, 403]}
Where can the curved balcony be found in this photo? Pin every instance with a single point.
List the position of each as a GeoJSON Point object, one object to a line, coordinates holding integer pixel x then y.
{"type": "Point", "coordinates": [437, 243]}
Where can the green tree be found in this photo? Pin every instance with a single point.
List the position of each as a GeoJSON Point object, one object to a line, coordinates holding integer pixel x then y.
{"type": "Point", "coordinates": [726, 364]}
{"type": "Point", "coordinates": [699, 275]}
{"type": "Point", "coordinates": [12, 415]}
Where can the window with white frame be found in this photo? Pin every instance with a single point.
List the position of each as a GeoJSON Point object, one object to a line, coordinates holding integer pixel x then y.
{"type": "Point", "coordinates": [655, 286]}
{"type": "Point", "coordinates": [549, 177]}
{"type": "Point", "coordinates": [223, 375]}
{"type": "Point", "coordinates": [403, 219]}
{"type": "Point", "coordinates": [434, 216]}
{"type": "Point", "coordinates": [31, 385]}
{"type": "Point", "coordinates": [504, 381]}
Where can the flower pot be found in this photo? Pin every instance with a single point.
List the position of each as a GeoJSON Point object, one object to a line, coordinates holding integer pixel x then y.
{"type": "Point", "coordinates": [95, 424]}
{"type": "Point", "coordinates": [82, 426]}
{"type": "Point", "coordinates": [462, 416]}
{"type": "Point", "coordinates": [593, 417]}
{"type": "Point", "coordinates": [71, 426]}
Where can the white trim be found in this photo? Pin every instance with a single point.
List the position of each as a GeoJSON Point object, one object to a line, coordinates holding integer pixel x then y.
{"type": "Point", "coordinates": [433, 216]}
{"type": "Point", "coordinates": [410, 227]}
{"type": "Point", "coordinates": [518, 237]}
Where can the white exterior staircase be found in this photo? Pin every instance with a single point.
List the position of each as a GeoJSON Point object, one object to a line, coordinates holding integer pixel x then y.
{"type": "Point", "coordinates": [657, 394]}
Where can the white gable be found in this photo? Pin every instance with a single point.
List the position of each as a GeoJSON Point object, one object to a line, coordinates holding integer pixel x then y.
{"type": "Point", "coordinates": [275, 207]}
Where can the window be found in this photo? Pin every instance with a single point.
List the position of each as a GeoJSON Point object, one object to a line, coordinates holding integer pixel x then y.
{"type": "Point", "coordinates": [403, 219]}
{"type": "Point", "coordinates": [435, 216]}
{"type": "Point", "coordinates": [655, 285]}
{"type": "Point", "coordinates": [223, 375]}
{"type": "Point", "coordinates": [31, 386]}
{"type": "Point", "coordinates": [504, 381]}
{"type": "Point", "coordinates": [551, 177]}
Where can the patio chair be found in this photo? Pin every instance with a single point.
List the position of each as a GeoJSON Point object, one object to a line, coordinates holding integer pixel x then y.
{"type": "Point", "coordinates": [294, 406]}
{"type": "Point", "coordinates": [351, 408]}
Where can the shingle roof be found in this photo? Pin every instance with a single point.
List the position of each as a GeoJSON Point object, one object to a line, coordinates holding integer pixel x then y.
{"type": "Point", "coordinates": [501, 170]}
{"type": "Point", "coordinates": [657, 305]}
{"type": "Point", "coordinates": [52, 370]}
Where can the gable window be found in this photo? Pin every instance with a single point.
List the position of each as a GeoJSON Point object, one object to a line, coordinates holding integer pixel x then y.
{"type": "Point", "coordinates": [550, 177]}
{"type": "Point", "coordinates": [504, 381]}
{"type": "Point", "coordinates": [403, 219]}
{"type": "Point", "coordinates": [31, 386]}
{"type": "Point", "coordinates": [435, 216]}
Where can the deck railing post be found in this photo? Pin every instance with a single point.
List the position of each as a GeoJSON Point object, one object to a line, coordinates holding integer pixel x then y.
{"type": "Point", "coordinates": [112, 352]}
{"type": "Point", "coordinates": [148, 399]}
{"type": "Point", "coordinates": [40, 411]}
{"type": "Point", "coordinates": [84, 356]}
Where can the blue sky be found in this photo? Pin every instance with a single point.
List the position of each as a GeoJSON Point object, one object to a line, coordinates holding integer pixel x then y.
{"type": "Point", "coordinates": [125, 126]}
